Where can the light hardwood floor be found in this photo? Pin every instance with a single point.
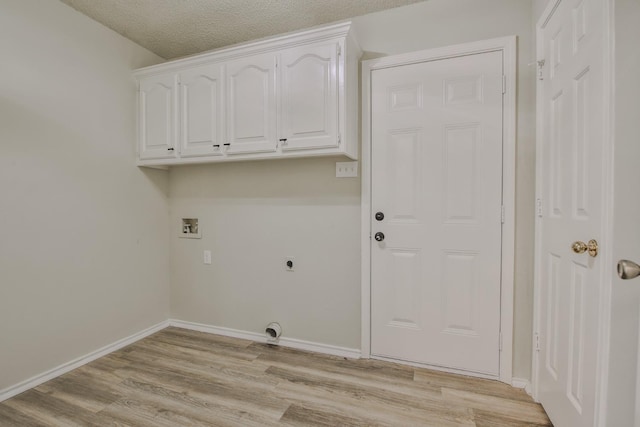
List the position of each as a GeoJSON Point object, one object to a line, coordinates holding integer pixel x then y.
{"type": "Point", "coordinates": [178, 377]}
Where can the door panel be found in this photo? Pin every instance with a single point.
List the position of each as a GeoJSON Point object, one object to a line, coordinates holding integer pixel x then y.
{"type": "Point", "coordinates": [461, 189]}
{"type": "Point", "coordinates": [157, 117]}
{"type": "Point", "coordinates": [459, 291]}
{"type": "Point", "coordinates": [201, 111]}
{"type": "Point", "coordinates": [572, 199]}
{"type": "Point", "coordinates": [251, 105]}
{"type": "Point", "coordinates": [310, 97]}
{"type": "Point", "coordinates": [437, 176]}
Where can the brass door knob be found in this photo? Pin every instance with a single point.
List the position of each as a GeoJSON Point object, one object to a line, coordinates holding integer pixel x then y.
{"type": "Point", "coordinates": [581, 247]}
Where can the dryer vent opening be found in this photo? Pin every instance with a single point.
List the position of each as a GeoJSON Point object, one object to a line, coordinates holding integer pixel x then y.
{"type": "Point", "coordinates": [273, 331]}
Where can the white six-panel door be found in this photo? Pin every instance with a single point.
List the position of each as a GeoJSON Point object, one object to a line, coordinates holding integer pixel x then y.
{"type": "Point", "coordinates": [436, 130]}
{"type": "Point", "coordinates": [571, 205]}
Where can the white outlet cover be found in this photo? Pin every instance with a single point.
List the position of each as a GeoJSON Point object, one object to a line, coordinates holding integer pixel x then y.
{"type": "Point", "coordinates": [346, 169]}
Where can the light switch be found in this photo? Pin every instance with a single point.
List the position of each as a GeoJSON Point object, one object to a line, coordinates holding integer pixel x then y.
{"type": "Point", "coordinates": [207, 257]}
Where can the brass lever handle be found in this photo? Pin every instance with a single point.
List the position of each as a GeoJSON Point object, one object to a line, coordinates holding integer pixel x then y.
{"type": "Point", "coordinates": [582, 247]}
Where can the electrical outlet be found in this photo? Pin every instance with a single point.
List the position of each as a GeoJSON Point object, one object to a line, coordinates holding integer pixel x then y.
{"type": "Point", "coordinates": [289, 263]}
{"type": "Point", "coordinates": [346, 169]}
{"type": "Point", "coordinates": [207, 257]}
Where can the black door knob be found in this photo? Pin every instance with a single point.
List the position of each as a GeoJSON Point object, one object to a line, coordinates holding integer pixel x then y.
{"type": "Point", "coordinates": [379, 216]}
{"type": "Point", "coordinates": [379, 236]}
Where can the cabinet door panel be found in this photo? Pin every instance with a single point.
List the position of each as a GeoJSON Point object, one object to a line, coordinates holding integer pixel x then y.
{"type": "Point", "coordinates": [157, 122]}
{"type": "Point", "coordinates": [201, 111]}
{"type": "Point", "coordinates": [251, 105]}
{"type": "Point", "coordinates": [310, 97]}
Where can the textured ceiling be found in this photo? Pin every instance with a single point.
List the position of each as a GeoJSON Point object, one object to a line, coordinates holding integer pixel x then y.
{"type": "Point", "coordinates": [174, 28]}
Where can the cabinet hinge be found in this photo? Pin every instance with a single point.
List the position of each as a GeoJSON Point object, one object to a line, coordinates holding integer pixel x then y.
{"type": "Point", "coordinates": [539, 208]}
{"type": "Point", "coordinates": [537, 338]}
{"type": "Point", "coordinates": [339, 49]}
{"type": "Point", "coordinates": [504, 84]}
{"type": "Point", "coordinates": [502, 215]}
{"type": "Point", "coordinates": [500, 345]}
{"type": "Point", "coordinates": [339, 139]}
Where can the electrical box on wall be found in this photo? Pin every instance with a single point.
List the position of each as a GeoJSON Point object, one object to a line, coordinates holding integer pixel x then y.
{"type": "Point", "coordinates": [189, 228]}
{"type": "Point", "coordinates": [346, 169]}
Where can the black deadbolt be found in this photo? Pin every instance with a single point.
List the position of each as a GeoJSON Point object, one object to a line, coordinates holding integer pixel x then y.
{"type": "Point", "coordinates": [379, 236]}
{"type": "Point", "coordinates": [379, 216]}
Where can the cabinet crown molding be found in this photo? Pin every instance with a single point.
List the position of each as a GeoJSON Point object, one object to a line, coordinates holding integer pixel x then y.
{"type": "Point", "coordinates": [271, 43]}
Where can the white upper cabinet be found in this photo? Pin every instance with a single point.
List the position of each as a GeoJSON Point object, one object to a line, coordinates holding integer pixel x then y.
{"type": "Point", "coordinates": [309, 96]}
{"type": "Point", "coordinates": [156, 120]}
{"type": "Point", "coordinates": [251, 105]}
{"type": "Point", "coordinates": [294, 95]}
{"type": "Point", "coordinates": [201, 112]}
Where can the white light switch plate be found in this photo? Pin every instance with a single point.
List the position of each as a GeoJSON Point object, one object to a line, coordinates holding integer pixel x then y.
{"type": "Point", "coordinates": [346, 169]}
{"type": "Point", "coordinates": [207, 257]}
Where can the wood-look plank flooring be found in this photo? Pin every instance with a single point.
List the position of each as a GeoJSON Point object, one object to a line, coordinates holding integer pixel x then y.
{"type": "Point", "coordinates": [179, 377]}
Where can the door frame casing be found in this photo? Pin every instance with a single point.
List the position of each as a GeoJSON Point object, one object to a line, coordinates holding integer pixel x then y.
{"type": "Point", "coordinates": [506, 45]}
{"type": "Point", "coordinates": [605, 240]}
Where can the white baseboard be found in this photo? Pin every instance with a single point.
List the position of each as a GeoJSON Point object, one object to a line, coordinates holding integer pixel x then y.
{"type": "Point", "coordinates": [76, 363]}
{"type": "Point", "coordinates": [35, 381]}
{"type": "Point", "coordinates": [522, 383]}
{"type": "Point", "coordinates": [235, 333]}
{"type": "Point", "coordinates": [351, 353]}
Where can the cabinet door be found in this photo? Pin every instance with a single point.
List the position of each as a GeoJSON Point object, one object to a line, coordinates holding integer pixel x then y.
{"type": "Point", "coordinates": [157, 118]}
{"type": "Point", "coordinates": [251, 105]}
{"type": "Point", "coordinates": [201, 111]}
{"type": "Point", "coordinates": [309, 76]}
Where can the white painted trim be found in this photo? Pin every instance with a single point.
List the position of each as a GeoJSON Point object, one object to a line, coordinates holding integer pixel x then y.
{"type": "Point", "coordinates": [351, 353]}
{"type": "Point", "coordinates": [508, 46]}
{"type": "Point", "coordinates": [607, 272]}
{"type": "Point", "coordinates": [509, 201]}
{"type": "Point", "coordinates": [540, 54]}
{"type": "Point", "coordinates": [365, 213]}
{"type": "Point", "coordinates": [80, 361]}
{"type": "Point", "coordinates": [522, 383]}
{"type": "Point", "coordinates": [490, 45]}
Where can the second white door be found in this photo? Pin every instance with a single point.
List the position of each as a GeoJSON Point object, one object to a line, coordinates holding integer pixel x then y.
{"type": "Point", "coordinates": [437, 212]}
{"type": "Point", "coordinates": [571, 165]}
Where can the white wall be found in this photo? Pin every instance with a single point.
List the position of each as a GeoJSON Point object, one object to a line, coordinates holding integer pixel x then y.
{"type": "Point", "coordinates": [254, 214]}
{"type": "Point", "coordinates": [538, 9]}
{"type": "Point", "coordinates": [83, 232]}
